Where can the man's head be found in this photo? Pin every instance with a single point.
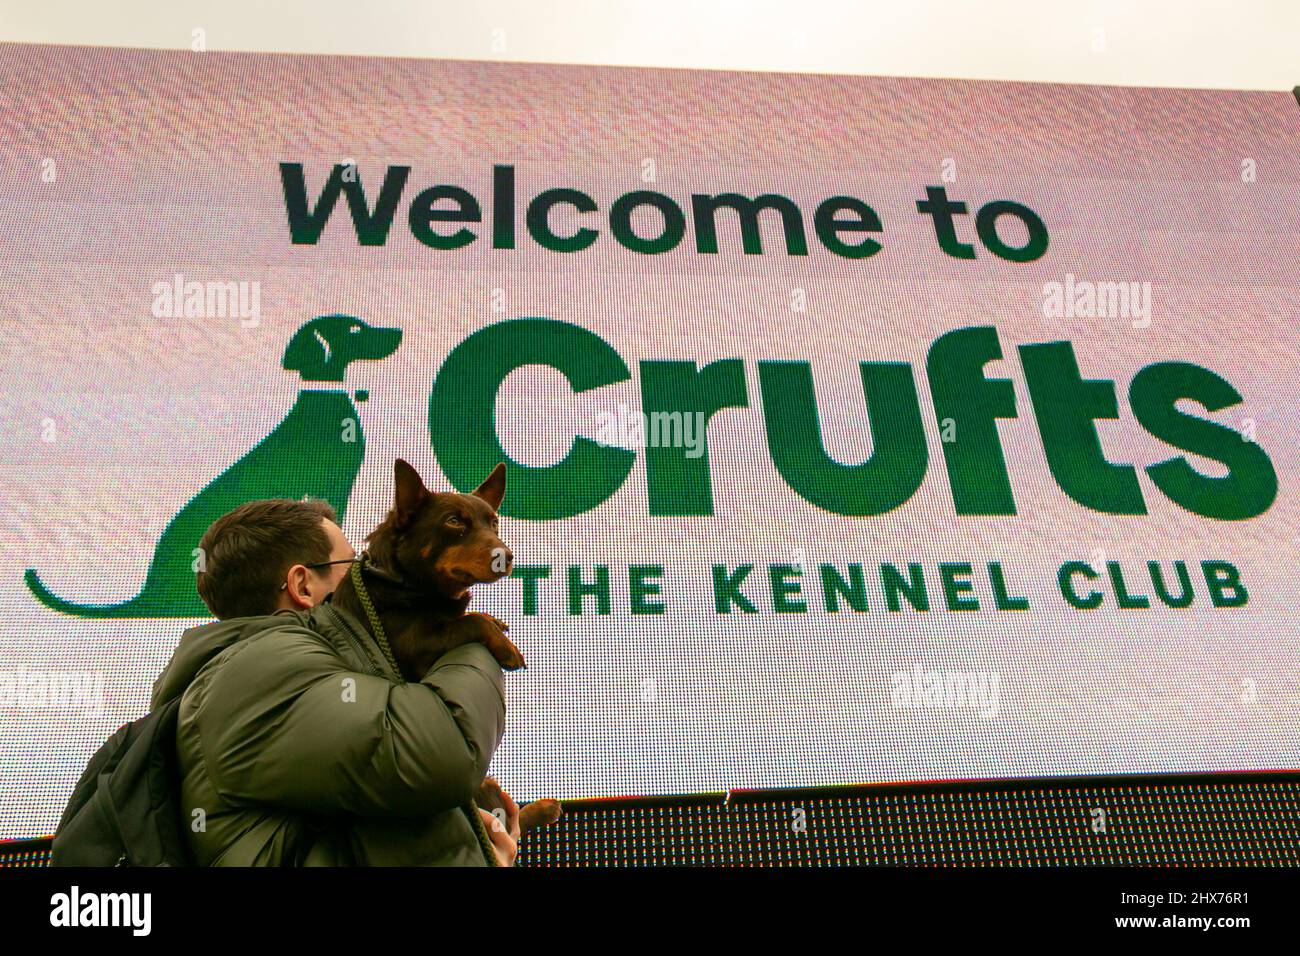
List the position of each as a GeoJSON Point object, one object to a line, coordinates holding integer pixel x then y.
{"type": "Point", "coordinates": [269, 555]}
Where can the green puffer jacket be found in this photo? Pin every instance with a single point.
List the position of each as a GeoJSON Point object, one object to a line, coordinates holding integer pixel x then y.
{"type": "Point", "coordinates": [302, 747]}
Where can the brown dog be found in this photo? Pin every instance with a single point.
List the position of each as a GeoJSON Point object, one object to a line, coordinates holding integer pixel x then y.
{"type": "Point", "coordinates": [423, 559]}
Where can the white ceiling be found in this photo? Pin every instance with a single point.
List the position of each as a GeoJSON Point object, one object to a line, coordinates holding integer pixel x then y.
{"type": "Point", "coordinates": [1246, 44]}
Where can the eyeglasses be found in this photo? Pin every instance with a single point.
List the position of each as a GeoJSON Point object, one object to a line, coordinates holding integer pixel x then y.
{"type": "Point", "coordinates": [323, 564]}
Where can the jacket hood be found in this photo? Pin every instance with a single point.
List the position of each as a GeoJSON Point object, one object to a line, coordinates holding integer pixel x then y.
{"type": "Point", "coordinates": [200, 644]}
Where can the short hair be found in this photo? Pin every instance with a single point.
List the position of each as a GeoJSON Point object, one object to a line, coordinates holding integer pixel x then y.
{"type": "Point", "coordinates": [245, 554]}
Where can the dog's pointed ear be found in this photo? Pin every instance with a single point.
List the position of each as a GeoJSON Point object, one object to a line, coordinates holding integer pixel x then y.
{"type": "Point", "coordinates": [410, 492]}
{"type": "Point", "coordinates": [493, 488]}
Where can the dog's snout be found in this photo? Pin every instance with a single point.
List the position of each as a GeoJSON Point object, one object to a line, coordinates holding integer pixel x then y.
{"type": "Point", "coordinates": [499, 557]}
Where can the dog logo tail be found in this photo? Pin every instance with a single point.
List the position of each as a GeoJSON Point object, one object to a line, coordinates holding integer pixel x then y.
{"type": "Point", "coordinates": [132, 607]}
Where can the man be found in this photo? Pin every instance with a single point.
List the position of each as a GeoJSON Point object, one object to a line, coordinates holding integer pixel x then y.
{"type": "Point", "coordinates": [297, 743]}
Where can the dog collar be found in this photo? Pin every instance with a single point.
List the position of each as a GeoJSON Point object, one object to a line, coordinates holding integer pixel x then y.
{"type": "Point", "coordinates": [381, 573]}
{"type": "Point", "coordinates": [414, 594]}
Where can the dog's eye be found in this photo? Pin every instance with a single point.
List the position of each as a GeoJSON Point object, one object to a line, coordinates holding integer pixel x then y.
{"type": "Point", "coordinates": [453, 521]}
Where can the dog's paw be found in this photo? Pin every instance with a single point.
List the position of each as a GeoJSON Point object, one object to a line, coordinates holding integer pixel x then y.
{"type": "Point", "coordinates": [508, 656]}
{"type": "Point", "coordinates": [539, 813]}
{"type": "Point", "coordinates": [483, 620]}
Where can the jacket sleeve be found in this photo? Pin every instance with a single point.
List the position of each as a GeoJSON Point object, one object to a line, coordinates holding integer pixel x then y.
{"type": "Point", "coordinates": [284, 722]}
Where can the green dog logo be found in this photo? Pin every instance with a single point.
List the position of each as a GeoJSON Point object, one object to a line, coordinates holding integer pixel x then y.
{"type": "Point", "coordinates": [315, 451]}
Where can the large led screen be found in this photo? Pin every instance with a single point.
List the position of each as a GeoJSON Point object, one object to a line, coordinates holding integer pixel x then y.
{"type": "Point", "coordinates": [856, 429]}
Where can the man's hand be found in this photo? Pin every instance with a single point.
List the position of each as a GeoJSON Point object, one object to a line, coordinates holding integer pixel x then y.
{"type": "Point", "coordinates": [535, 814]}
{"type": "Point", "coordinates": [505, 837]}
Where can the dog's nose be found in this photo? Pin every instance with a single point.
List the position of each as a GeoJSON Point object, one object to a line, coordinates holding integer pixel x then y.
{"type": "Point", "coordinates": [510, 558]}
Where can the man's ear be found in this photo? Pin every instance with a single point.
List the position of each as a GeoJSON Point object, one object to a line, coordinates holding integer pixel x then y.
{"type": "Point", "coordinates": [410, 492]}
{"type": "Point", "coordinates": [297, 595]}
{"type": "Point", "coordinates": [493, 488]}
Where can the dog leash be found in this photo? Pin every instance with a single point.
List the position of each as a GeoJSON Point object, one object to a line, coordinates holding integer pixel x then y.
{"type": "Point", "coordinates": [471, 809]}
{"type": "Point", "coordinates": [371, 615]}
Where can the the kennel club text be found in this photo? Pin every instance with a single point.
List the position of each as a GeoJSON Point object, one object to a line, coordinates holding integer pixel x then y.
{"type": "Point", "coordinates": [903, 587]}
